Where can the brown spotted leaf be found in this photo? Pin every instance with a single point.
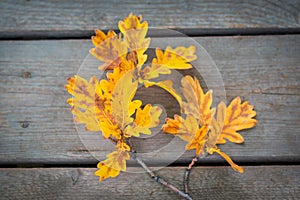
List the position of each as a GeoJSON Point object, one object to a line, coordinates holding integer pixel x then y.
{"type": "Point", "coordinates": [83, 101]}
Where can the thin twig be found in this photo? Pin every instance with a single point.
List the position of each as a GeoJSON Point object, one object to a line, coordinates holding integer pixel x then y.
{"type": "Point", "coordinates": [187, 175]}
{"type": "Point", "coordinates": [160, 180]}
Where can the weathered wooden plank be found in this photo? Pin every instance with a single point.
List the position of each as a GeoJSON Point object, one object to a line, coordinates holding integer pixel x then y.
{"type": "Point", "coordinates": [64, 15]}
{"type": "Point", "coordinates": [264, 182]}
{"type": "Point", "coordinates": [36, 125]}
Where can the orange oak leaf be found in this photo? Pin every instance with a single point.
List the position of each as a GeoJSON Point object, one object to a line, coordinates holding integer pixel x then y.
{"type": "Point", "coordinates": [237, 116]}
{"type": "Point", "coordinates": [134, 32]}
{"type": "Point", "coordinates": [146, 118]}
{"type": "Point", "coordinates": [197, 102]}
{"type": "Point", "coordinates": [110, 49]}
{"type": "Point", "coordinates": [111, 167]}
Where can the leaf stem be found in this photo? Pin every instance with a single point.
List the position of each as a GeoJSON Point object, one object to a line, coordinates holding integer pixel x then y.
{"type": "Point", "coordinates": [160, 180]}
{"type": "Point", "coordinates": [187, 175]}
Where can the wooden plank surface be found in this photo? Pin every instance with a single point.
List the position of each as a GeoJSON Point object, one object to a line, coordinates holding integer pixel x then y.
{"type": "Point", "coordinates": [261, 182]}
{"type": "Point", "coordinates": [36, 124]}
{"type": "Point", "coordinates": [29, 16]}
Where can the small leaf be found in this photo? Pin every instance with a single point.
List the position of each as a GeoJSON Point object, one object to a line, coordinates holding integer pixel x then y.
{"type": "Point", "coordinates": [111, 167]}
{"type": "Point", "coordinates": [177, 58]}
{"type": "Point", "coordinates": [237, 116]}
{"type": "Point", "coordinates": [145, 119]}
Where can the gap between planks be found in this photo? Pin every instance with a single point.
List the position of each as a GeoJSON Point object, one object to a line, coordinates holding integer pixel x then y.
{"type": "Point", "coordinates": [190, 32]}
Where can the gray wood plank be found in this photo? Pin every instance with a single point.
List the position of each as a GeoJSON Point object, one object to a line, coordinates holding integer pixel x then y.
{"type": "Point", "coordinates": [261, 182]}
{"type": "Point", "coordinates": [77, 15]}
{"type": "Point", "coordinates": [36, 124]}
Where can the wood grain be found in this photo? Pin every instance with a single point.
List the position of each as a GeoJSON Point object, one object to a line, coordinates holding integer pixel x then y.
{"type": "Point", "coordinates": [23, 16]}
{"type": "Point", "coordinates": [36, 124]}
{"type": "Point", "coordinates": [261, 182]}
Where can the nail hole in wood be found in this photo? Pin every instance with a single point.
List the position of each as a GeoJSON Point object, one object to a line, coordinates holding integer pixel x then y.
{"type": "Point", "coordinates": [26, 75]}
{"type": "Point", "coordinates": [25, 125]}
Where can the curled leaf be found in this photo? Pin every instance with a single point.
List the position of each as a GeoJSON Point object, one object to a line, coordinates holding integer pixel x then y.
{"type": "Point", "coordinates": [228, 159]}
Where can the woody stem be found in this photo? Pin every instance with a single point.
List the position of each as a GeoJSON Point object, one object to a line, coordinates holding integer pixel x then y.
{"type": "Point", "coordinates": [187, 175]}
{"type": "Point", "coordinates": [159, 179]}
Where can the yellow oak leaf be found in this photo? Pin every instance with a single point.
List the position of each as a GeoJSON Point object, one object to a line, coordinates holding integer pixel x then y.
{"type": "Point", "coordinates": [111, 167]}
{"type": "Point", "coordinates": [177, 58]}
{"type": "Point", "coordinates": [83, 101]}
{"type": "Point", "coordinates": [134, 32]}
{"type": "Point", "coordinates": [237, 116]}
{"type": "Point", "coordinates": [111, 49]}
{"type": "Point", "coordinates": [122, 105]}
{"type": "Point", "coordinates": [145, 118]}
{"type": "Point", "coordinates": [197, 102]}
